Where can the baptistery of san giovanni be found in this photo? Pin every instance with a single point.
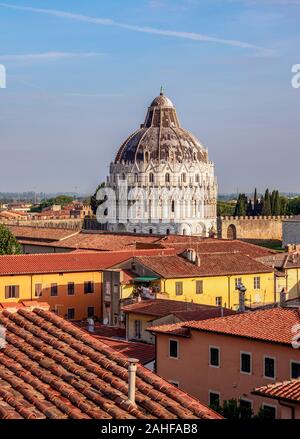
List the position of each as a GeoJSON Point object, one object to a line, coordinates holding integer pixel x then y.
{"type": "Point", "coordinates": [165, 173]}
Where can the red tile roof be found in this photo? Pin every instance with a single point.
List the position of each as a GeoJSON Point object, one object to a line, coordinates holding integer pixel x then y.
{"type": "Point", "coordinates": [66, 262]}
{"type": "Point", "coordinates": [104, 330]}
{"type": "Point", "coordinates": [52, 369]}
{"type": "Point", "coordinates": [273, 325]}
{"type": "Point", "coordinates": [288, 391]}
{"type": "Point", "coordinates": [41, 233]}
{"type": "Point", "coordinates": [214, 264]}
{"type": "Point", "coordinates": [163, 307]}
{"type": "Point", "coordinates": [142, 351]}
{"type": "Point", "coordinates": [216, 246]}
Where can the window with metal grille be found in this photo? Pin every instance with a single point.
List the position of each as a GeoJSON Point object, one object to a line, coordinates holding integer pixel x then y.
{"type": "Point", "coordinates": [219, 301]}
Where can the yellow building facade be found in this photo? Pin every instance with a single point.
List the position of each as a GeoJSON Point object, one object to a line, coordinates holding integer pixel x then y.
{"type": "Point", "coordinates": [74, 295]}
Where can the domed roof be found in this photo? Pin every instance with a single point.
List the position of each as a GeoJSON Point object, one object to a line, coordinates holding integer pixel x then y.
{"type": "Point", "coordinates": [161, 138]}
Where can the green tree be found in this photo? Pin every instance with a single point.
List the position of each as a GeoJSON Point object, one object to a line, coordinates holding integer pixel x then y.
{"type": "Point", "coordinates": [241, 205]}
{"type": "Point", "coordinates": [276, 204]}
{"type": "Point", "coordinates": [256, 207]}
{"type": "Point", "coordinates": [233, 409]}
{"type": "Point", "coordinates": [266, 209]}
{"type": "Point", "coordinates": [293, 206]}
{"type": "Point", "coordinates": [8, 243]}
{"type": "Point", "coordinates": [94, 203]}
{"type": "Point", "coordinates": [249, 211]}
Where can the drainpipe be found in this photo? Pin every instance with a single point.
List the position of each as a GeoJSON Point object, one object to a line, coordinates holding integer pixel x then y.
{"type": "Point", "coordinates": [131, 379]}
{"type": "Point", "coordinates": [228, 291]}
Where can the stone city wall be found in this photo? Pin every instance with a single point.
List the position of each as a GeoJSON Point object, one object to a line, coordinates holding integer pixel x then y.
{"type": "Point", "coordinates": [72, 224]}
{"type": "Point", "coordinates": [260, 227]}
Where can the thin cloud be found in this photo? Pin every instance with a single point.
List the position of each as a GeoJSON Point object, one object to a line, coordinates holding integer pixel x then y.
{"type": "Point", "coordinates": [47, 56]}
{"type": "Point", "coordinates": [150, 30]}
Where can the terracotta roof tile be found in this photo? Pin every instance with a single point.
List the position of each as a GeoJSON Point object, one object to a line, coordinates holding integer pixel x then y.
{"type": "Point", "coordinates": [163, 307]}
{"type": "Point", "coordinates": [52, 369]}
{"type": "Point", "coordinates": [66, 262]}
{"type": "Point", "coordinates": [272, 325]}
{"type": "Point", "coordinates": [211, 264]}
{"type": "Point", "coordinates": [41, 233]}
{"type": "Point", "coordinates": [286, 390]}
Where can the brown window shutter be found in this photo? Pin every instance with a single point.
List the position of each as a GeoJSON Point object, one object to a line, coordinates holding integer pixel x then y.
{"type": "Point", "coordinates": [6, 292]}
{"type": "Point", "coordinates": [17, 291]}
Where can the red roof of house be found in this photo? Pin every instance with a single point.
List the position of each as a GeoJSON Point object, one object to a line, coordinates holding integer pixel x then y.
{"type": "Point", "coordinates": [67, 262]}
{"type": "Point", "coordinates": [206, 245]}
{"type": "Point", "coordinates": [273, 325]}
{"type": "Point", "coordinates": [163, 307]}
{"type": "Point", "coordinates": [285, 391]}
{"type": "Point", "coordinates": [41, 233]}
{"type": "Point", "coordinates": [211, 264]}
{"type": "Point", "coordinates": [49, 368]}
{"type": "Point", "coordinates": [142, 351]}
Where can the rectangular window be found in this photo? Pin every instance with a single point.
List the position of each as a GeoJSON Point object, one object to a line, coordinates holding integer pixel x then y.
{"type": "Point", "coordinates": [173, 348]}
{"type": "Point", "coordinates": [219, 301]}
{"type": "Point", "coordinates": [214, 399]}
{"type": "Point", "coordinates": [269, 367]}
{"type": "Point", "coordinates": [178, 288]}
{"type": "Point", "coordinates": [71, 289]}
{"type": "Point", "coordinates": [71, 313]}
{"type": "Point", "coordinates": [38, 290]}
{"type": "Point", "coordinates": [245, 362]}
{"type": "Point", "coordinates": [238, 281]}
{"type": "Point", "coordinates": [53, 290]}
{"type": "Point", "coordinates": [257, 283]}
{"type": "Point", "coordinates": [269, 411]}
{"type": "Point", "coordinates": [199, 286]}
{"type": "Point", "coordinates": [88, 287]}
{"type": "Point", "coordinates": [12, 292]}
{"type": "Point", "coordinates": [137, 328]}
{"type": "Point", "coordinates": [90, 311]}
{"type": "Point", "coordinates": [295, 369]}
{"type": "Point", "coordinates": [214, 356]}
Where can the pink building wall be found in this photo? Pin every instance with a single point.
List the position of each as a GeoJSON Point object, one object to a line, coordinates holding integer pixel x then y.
{"type": "Point", "coordinates": [194, 374]}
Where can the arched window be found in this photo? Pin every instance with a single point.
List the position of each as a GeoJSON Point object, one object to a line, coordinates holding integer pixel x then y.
{"type": "Point", "coordinates": [136, 178]}
{"type": "Point", "coordinates": [151, 177]}
{"type": "Point", "coordinates": [146, 156]}
{"type": "Point", "coordinates": [173, 206]}
{"type": "Point", "coordinates": [184, 232]}
{"type": "Point", "coordinates": [134, 230]}
{"type": "Point", "coordinates": [168, 231]}
{"type": "Point", "coordinates": [150, 231]}
{"type": "Point", "coordinates": [183, 177]}
{"type": "Point", "coordinates": [167, 177]}
{"type": "Point", "coordinates": [197, 179]}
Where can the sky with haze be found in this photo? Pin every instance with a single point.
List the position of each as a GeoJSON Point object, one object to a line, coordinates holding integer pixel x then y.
{"type": "Point", "coordinates": [81, 74]}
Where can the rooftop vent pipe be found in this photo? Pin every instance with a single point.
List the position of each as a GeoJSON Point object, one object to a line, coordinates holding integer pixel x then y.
{"type": "Point", "coordinates": [131, 379]}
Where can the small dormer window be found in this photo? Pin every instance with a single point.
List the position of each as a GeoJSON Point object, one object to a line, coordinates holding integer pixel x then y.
{"type": "Point", "coordinates": [167, 177]}
{"type": "Point", "coordinates": [183, 177]}
{"type": "Point", "coordinates": [151, 177]}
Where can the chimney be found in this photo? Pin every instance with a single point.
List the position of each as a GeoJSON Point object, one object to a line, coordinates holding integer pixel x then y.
{"type": "Point", "coordinates": [131, 379]}
{"type": "Point", "coordinates": [198, 260]}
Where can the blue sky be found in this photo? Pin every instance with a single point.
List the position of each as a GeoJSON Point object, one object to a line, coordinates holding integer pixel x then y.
{"type": "Point", "coordinates": [80, 76]}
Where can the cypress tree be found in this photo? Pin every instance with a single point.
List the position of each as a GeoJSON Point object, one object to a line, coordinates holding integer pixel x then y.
{"type": "Point", "coordinates": [276, 204]}
{"type": "Point", "coordinates": [266, 210]}
{"type": "Point", "coordinates": [249, 211]}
